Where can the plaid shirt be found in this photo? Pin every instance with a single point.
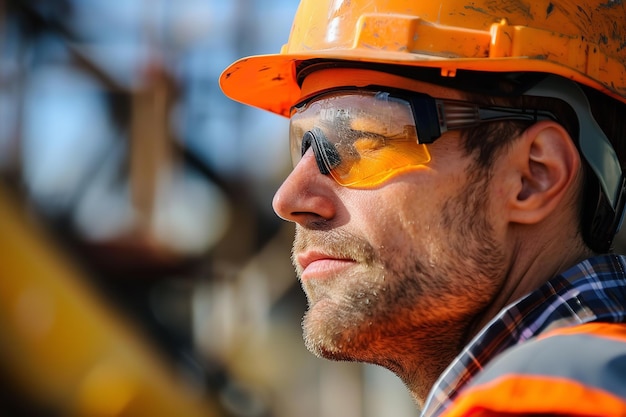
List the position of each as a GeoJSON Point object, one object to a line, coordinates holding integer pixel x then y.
{"type": "Point", "coordinates": [593, 290]}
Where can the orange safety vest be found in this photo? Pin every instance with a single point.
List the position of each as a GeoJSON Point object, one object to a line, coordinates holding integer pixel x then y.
{"type": "Point", "coordinates": [571, 371]}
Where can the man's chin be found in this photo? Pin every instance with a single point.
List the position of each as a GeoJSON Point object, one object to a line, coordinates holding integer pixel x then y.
{"type": "Point", "coordinates": [335, 356]}
{"type": "Point", "coordinates": [326, 350]}
{"type": "Point", "coordinates": [329, 337]}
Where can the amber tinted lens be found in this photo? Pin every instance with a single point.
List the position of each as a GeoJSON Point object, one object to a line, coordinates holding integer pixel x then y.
{"type": "Point", "coordinates": [359, 137]}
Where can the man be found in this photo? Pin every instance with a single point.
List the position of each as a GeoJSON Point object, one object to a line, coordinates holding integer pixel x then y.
{"type": "Point", "coordinates": [456, 190]}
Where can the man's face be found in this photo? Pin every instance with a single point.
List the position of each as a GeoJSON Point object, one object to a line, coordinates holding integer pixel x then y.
{"type": "Point", "coordinates": [408, 263]}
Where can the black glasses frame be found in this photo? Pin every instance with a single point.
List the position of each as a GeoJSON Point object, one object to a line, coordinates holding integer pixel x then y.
{"type": "Point", "coordinates": [435, 116]}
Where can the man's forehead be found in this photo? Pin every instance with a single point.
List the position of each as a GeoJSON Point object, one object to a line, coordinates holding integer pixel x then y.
{"type": "Point", "coordinates": [337, 78]}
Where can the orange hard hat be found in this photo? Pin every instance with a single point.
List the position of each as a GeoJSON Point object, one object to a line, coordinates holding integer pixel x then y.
{"type": "Point", "coordinates": [584, 41]}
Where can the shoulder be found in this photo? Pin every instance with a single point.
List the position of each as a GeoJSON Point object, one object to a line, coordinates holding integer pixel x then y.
{"type": "Point", "coordinates": [592, 349]}
{"type": "Point", "coordinates": [569, 371]}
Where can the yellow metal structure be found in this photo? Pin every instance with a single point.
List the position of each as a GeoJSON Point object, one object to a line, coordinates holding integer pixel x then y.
{"type": "Point", "coordinates": [63, 348]}
{"type": "Point", "coordinates": [578, 40]}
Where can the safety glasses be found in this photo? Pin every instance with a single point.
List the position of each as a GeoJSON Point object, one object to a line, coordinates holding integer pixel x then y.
{"type": "Point", "coordinates": [363, 136]}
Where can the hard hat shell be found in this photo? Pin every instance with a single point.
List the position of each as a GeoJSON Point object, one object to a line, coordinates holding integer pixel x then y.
{"type": "Point", "coordinates": [583, 40]}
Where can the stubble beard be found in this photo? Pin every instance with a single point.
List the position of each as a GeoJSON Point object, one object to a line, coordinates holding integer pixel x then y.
{"type": "Point", "coordinates": [391, 305]}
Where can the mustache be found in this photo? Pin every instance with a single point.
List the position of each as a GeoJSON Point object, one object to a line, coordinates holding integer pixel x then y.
{"type": "Point", "coordinates": [335, 242]}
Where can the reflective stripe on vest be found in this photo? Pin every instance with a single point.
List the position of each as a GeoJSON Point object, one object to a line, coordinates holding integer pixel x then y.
{"type": "Point", "coordinates": [574, 371]}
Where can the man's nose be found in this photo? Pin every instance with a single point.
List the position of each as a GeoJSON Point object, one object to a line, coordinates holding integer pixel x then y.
{"type": "Point", "coordinates": [306, 195]}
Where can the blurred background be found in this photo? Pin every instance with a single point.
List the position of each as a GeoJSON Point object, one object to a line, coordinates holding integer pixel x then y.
{"type": "Point", "coordinates": [142, 270]}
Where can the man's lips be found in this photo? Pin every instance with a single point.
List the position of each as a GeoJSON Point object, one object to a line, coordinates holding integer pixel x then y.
{"type": "Point", "coordinates": [321, 265]}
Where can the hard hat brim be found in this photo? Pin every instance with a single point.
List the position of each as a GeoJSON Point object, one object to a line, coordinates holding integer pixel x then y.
{"type": "Point", "coordinates": [269, 82]}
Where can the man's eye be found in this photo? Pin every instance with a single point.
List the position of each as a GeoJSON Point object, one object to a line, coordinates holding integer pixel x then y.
{"type": "Point", "coordinates": [366, 144]}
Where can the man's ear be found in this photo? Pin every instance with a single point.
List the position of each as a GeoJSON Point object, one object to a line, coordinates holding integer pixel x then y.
{"type": "Point", "coordinates": [546, 163]}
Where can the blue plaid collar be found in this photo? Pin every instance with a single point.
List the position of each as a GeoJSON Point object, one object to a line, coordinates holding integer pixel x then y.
{"type": "Point", "coordinates": [593, 290]}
